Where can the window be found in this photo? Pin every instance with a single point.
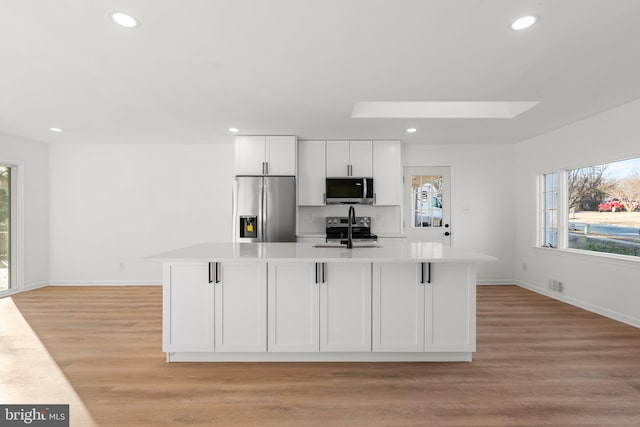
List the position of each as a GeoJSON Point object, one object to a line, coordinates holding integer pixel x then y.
{"type": "Point", "coordinates": [550, 210]}
{"type": "Point", "coordinates": [599, 208]}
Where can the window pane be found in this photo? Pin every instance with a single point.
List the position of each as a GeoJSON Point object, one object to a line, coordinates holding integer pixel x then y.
{"type": "Point", "coordinates": [5, 227]}
{"type": "Point", "coordinates": [603, 202]}
{"type": "Point", "coordinates": [550, 210]}
{"type": "Point", "coordinates": [427, 197]}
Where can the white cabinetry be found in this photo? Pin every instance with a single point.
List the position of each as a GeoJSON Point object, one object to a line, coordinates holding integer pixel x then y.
{"type": "Point", "coordinates": [319, 307]}
{"type": "Point", "coordinates": [345, 306]}
{"type": "Point", "coordinates": [294, 301]}
{"type": "Point", "coordinates": [311, 173]}
{"type": "Point", "coordinates": [422, 307]}
{"type": "Point", "coordinates": [450, 307]}
{"type": "Point", "coordinates": [241, 307]}
{"type": "Point", "coordinates": [398, 307]}
{"type": "Point", "coordinates": [265, 155]}
{"type": "Point", "coordinates": [387, 173]}
{"type": "Point", "coordinates": [349, 158]}
{"type": "Point", "coordinates": [188, 308]}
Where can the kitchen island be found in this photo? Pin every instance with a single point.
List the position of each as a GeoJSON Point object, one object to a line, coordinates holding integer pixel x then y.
{"type": "Point", "coordinates": [403, 301]}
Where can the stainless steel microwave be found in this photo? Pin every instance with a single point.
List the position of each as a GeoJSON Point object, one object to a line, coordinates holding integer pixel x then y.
{"type": "Point", "coordinates": [349, 191]}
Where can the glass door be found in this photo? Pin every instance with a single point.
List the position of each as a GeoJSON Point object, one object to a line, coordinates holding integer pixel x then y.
{"type": "Point", "coordinates": [5, 228]}
{"type": "Point", "coordinates": [427, 210]}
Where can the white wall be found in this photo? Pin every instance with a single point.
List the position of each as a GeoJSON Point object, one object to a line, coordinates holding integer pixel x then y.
{"type": "Point", "coordinates": [122, 202]}
{"type": "Point", "coordinates": [608, 287]}
{"type": "Point", "coordinates": [482, 184]}
{"type": "Point", "coordinates": [33, 157]}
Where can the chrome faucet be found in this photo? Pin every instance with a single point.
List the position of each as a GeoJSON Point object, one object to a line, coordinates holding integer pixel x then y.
{"type": "Point", "coordinates": [352, 219]}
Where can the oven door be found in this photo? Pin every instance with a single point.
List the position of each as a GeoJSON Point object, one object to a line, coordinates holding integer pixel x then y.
{"type": "Point", "coordinates": [349, 191]}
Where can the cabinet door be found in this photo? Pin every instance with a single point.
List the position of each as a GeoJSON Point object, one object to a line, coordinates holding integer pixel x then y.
{"type": "Point", "coordinates": [345, 307]}
{"type": "Point", "coordinates": [337, 158]}
{"type": "Point", "coordinates": [241, 307]}
{"type": "Point", "coordinates": [311, 173]}
{"type": "Point", "coordinates": [249, 153]}
{"type": "Point", "coordinates": [387, 173]}
{"type": "Point", "coordinates": [281, 155]}
{"type": "Point", "coordinates": [188, 308]}
{"type": "Point", "coordinates": [361, 158]}
{"type": "Point", "coordinates": [294, 300]}
{"type": "Point", "coordinates": [451, 307]}
{"type": "Point", "coordinates": [398, 307]}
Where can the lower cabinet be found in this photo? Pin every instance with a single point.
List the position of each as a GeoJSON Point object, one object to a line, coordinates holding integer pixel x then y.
{"type": "Point", "coordinates": [187, 308]}
{"type": "Point", "coordinates": [294, 304]}
{"type": "Point", "coordinates": [422, 307]}
{"type": "Point", "coordinates": [319, 307]}
{"type": "Point", "coordinates": [398, 307]}
{"type": "Point", "coordinates": [345, 306]}
{"type": "Point", "coordinates": [218, 307]}
{"type": "Point", "coordinates": [451, 308]}
{"type": "Point", "coordinates": [241, 307]}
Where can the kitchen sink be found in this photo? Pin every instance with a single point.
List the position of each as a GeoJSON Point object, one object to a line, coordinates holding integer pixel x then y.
{"type": "Point", "coordinates": [355, 245]}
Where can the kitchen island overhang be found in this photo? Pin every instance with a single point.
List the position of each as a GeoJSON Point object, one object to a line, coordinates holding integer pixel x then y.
{"type": "Point", "coordinates": [403, 301]}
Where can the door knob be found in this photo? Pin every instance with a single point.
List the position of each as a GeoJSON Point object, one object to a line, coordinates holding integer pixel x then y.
{"type": "Point", "coordinates": [446, 233]}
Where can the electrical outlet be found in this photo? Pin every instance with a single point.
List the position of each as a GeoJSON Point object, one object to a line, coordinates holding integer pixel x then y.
{"type": "Point", "coordinates": [524, 266]}
{"type": "Point", "coordinates": [123, 266]}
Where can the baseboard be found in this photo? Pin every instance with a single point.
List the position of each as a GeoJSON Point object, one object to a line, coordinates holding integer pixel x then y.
{"type": "Point", "coordinates": [31, 286]}
{"type": "Point", "coordinates": [105, 283]}
{"type": "Point", "coordinates": [620, 317]}
{"type": "Point", "coordinates": [495, 282]}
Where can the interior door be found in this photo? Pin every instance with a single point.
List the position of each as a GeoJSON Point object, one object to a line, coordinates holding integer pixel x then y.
{"type": "Point", "coordinates": [427, 209]}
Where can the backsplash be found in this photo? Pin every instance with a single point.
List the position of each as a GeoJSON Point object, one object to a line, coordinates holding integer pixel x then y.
{"type": "Point", "coordinates": [384, 219]}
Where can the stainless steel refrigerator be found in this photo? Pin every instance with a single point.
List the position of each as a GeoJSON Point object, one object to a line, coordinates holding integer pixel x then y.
{"type": "Point", "coordinates": [264, 209]}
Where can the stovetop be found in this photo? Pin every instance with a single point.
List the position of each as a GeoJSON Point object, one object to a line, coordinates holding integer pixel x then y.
{"type": "Point", "coordinates": [337, 229]}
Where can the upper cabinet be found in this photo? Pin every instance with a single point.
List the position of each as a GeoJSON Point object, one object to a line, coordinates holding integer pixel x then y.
{"type": "Point", "coordinates": [311, 173]}
{"type": "Point", "coordinates": [318, 160]}
{"type": "Point", "coordinates": [349, 158]}
{"type": "Point", "coordinates": [387, 173]}
{"type": "Point", "coordinates": [265, 155]}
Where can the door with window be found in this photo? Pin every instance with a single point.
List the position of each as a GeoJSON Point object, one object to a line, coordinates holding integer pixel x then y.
{"type": "Point", "coordinates": [5, 228]}
{"type": "Point", "coordinates": [427, 210]}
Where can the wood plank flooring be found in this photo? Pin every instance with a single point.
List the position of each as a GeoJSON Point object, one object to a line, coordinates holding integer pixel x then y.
{"type": "Point", "coordinates": [539, 362]}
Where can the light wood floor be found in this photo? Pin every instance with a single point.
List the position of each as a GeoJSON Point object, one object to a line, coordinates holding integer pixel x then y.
{"type": "Point", "coordinates": [539, 362]}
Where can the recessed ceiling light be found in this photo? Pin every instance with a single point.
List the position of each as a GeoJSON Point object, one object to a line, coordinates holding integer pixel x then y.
{"type": "Point", "coordinates": [524, 22]}
{"type": "Point", "coordinates": [411, 130]}
{"type": "Point", "coordinates": [55, 129]}
{"type": "Point", "coordinates": [125, 20]}
{"type": "Point", "coordinates": [234, 130]}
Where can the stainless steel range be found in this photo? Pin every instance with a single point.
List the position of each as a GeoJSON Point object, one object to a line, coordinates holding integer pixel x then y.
{"type": "Point", "coordinates": [337, 229]}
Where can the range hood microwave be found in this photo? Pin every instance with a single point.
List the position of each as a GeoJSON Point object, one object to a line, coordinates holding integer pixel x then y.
{"type": "Point", "coordinates": [349, 191]}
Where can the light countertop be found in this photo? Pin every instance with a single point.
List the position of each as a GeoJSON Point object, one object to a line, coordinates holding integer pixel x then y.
{"type": "Point", "coordinates": [403, 251]}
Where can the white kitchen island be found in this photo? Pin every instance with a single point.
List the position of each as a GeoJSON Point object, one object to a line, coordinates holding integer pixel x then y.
{"type": "Point", "coordinates": [404, 301]}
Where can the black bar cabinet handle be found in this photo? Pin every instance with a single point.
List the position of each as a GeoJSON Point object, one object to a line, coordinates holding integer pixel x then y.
{"type": "Point", "coordinates": [428, 272]}
{"type": "Point", "coordinates": [324, 277]}
{"type": "Point", "coordinates": [217, 272]}
{"type": "Point", "coordinates": [210, 272]}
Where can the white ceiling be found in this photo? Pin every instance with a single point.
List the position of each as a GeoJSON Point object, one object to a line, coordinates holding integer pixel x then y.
{"type": "Point", "coordinates": [195, 68]}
